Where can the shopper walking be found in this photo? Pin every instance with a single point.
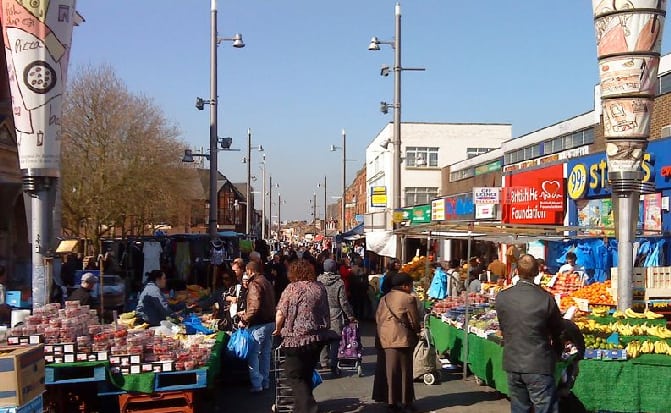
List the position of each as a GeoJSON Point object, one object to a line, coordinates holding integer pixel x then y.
{"type": "Point", "coordinates": [302, 319]}
{"type": "Point", "coordinates": [340, 310]}
{"type": "Point", "coordinates": [259, 317]}
{"type": "Point", "coordinates": [380, 393]}
{"type": "Point", "coordinates": [398, 325]}
{"type": "Point", "coordinates": [531, 325]}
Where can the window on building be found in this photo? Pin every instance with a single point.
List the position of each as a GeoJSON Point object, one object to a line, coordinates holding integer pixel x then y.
{"type": "Point", "coordinates": [665, 83]}
{"type": "Point", "coordinates": [573, 140]}
{"type": "Point", "coordinates": [473, 152]}
{"type": "Point", "coordinates": [462, 174]}
{"type": "Point", "coordinates": [421, 157]}
{"type": "Point", "coordinates": [419, 195]}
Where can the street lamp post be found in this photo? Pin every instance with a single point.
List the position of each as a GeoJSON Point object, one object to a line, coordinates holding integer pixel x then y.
{"type": "Point", "coordinates": [248, 194]}
{"type": "Point", "coordinates": [263, 199]}
{"type": "Point", "coordinates": [270, 205]}
{"type": "Point", "coordinates": [238, 43]}
{"type": "Point", "coordinates": [279, 217]}
{"type": "Point", "coordinates": [318, 185]}
{"type": "Point", "coordinates": [344, 178]}
{"type": "Point", "coordinates": [397, 69]}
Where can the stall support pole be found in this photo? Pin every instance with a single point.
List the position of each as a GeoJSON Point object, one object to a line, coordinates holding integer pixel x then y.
{"type": "Point", "coordinates": [626, 227]}
{"type": "Point", "coordinates": [427, 264]}
{"type": "Point", "coordinates": [468, 271]}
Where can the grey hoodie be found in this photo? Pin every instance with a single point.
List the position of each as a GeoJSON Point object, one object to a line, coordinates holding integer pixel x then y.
{"type": "Point", "coordinates": [339, 307]}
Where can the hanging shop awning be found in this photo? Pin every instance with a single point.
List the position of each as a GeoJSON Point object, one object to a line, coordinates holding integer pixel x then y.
{"type": "Point", "coordinates": [67, 246]}
{"type": "Point", "coordinates": [382, 243]}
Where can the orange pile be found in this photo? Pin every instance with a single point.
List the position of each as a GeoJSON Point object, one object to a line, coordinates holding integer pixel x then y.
{"type": "Point", "coordinates": [596, 293]}
{"type": "Point", "coordinates": [566, 302]}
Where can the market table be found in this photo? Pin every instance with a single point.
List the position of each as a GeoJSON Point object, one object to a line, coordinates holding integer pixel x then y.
{"type": "Point", "coordinates": [637, 385]}
{"type": "Point", "coordinates": [99, 371]}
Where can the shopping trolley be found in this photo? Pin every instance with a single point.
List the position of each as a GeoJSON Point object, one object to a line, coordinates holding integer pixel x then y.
{"type": "Point", "coordinates": [284, 396]}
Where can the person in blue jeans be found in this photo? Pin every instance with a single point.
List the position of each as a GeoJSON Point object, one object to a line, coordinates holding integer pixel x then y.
{"type": "Point", "coordinates": [531, 325]}
{"type": "Point", "coordinates": [259, 317]}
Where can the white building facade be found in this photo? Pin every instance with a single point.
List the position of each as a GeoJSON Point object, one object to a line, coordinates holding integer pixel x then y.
{"type": "Point", "coordinates": [425, 149]}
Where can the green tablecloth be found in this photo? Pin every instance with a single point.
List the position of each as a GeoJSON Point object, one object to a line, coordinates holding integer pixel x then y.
{"type": "Point", "coordinates": [485, 357]}
{"type": "Point", "coordinates": [638, 385]}
{"type": "Point", "coordinates": [144, 382]}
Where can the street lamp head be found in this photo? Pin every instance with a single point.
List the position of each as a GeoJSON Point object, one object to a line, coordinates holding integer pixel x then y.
{"type": "Point", "coordinates": [384, 107]}
{"type": "Point", "coordinates": [385, 144]}
{"type": "Point", "coordinates": [260, 148]}
{"type": "Point", "coordinates": [200, 104]}
{"type": "Point", "coordinates": [188, 155]}
{"type": "Point", "coordinates": [332, 148]}
{"type": "Point", "coordinates": [226, 143]}
{"type": "Point", "coordinates": [374, 44]}
{"type": "Point", "coordinates": [384, 70]}
{"type": "Point", "coordinates": [237, 41]}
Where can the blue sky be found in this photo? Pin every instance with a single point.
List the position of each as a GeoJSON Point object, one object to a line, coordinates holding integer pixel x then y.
{"type": "Point", "coordinates": [306, 73]}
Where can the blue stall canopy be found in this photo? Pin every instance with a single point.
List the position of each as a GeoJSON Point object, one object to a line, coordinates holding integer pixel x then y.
{"type": "Point", "coordinates": [354, 233]}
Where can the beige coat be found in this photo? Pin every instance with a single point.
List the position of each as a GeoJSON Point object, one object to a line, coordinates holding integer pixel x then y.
{"type": "Point", "coordinates": [391, 332]}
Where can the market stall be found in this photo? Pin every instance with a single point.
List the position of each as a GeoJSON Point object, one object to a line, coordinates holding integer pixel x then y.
{"type": "Point", "coordinates": [123, 360]}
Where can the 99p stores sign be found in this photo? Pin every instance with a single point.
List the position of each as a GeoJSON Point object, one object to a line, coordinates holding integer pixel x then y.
{"type": "Point", "coordinates": [535, 197]}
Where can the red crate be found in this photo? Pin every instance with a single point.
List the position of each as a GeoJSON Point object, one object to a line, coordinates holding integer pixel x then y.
{"type": "Point", "coordinates": [163, 402]}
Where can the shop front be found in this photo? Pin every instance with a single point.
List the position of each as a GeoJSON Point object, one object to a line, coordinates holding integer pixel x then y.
{"type": "Point", "coordinates": [590, 205]}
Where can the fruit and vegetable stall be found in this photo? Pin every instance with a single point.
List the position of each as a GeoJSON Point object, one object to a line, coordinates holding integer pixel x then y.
{"type": "Point", "coordinates": [121, 366]}
{"type": "Point", "coordinates": [628, 354]}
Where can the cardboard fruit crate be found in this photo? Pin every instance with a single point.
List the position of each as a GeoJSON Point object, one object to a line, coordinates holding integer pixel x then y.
{"type": "Point", "coordinates": [21, 374]}
{"type": "Point", "coordinates": [34, 406]}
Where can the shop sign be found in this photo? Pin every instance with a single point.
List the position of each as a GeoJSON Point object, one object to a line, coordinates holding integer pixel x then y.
{"type": "Point", "coordinates": [421, 215]}
{"type": "Point", "coordinates": [652, 213]}
{"type": "Point", "coordinates": [486, 195]}
{"type": "Point", "coordinates": [490, 167]}
{"type": "Point", "coordinates": [485, 211]}
{"type": "Point", "coordinates": [590, 178]}
{"type": "Point", "coordinates": [378, 196]}
{"type": "Point", "coordinates": [535, 197]}
{"type": "Point", "coordinates": [459, 207]}
{"type": "Point", "coordinates": [400, 215]}
{"type": "Point", "coordinates": [438, 209]}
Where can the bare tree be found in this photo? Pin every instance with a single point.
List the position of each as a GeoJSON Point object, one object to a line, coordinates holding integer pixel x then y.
{"type": "Point", "coordinates": [120, 159]}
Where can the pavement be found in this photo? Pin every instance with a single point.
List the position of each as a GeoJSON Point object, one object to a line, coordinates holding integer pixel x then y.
{"type": "Point", "coordinates": [350, 393]}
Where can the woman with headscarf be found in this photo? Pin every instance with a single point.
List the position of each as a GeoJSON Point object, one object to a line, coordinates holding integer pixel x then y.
{"type": "Point", "coordinates": [398, 326]}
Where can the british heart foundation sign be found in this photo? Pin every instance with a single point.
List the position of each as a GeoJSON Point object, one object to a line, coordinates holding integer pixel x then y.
{"type": "Point", "coordinates": [535, 197]}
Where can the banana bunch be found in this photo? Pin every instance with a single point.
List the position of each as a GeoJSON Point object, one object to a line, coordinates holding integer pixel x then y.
{"type": "Point", "coordinates": [128, 319]}
{"type": "Point", "coordinates": [651, 315]}
{"type": "Point", "coordinates": [661, 347]}
{"type": "Point", "coordinates": [629, 313]}
{"type": "Point", "coordinates": [127, 316]}
{"type": "Point", "coordinates": [619, 314]}
{"type": "Point", "coordinates": [659, 331]}
{"type": "Point", "coordinates": [633, 349]}
{"type": "Point", "coordinates": [647, 347]}
{"type": "Point", "coordinates": [142, 326]}
{"type": "Point", "coordinates": [419, 290]}
{"type": "Point", "coordinates": [600, 311]}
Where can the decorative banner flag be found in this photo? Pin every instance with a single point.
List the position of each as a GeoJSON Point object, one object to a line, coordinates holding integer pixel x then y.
{"type": "Point", "coordinates": [628, 39]}
{"type": "Point", "coordinates": [38, 35]}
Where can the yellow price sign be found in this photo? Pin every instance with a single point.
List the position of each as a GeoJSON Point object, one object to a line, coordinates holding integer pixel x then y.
{"type": "Point", "coordinates": [577, 182]}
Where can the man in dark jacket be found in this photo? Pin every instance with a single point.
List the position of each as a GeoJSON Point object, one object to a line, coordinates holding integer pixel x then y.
{"type": "Point", "coordinates": [531, 325]}
{"type": "Point", "coordinates": [83, 293]}
{"type": "Point", "coordinates": [259, 316]}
